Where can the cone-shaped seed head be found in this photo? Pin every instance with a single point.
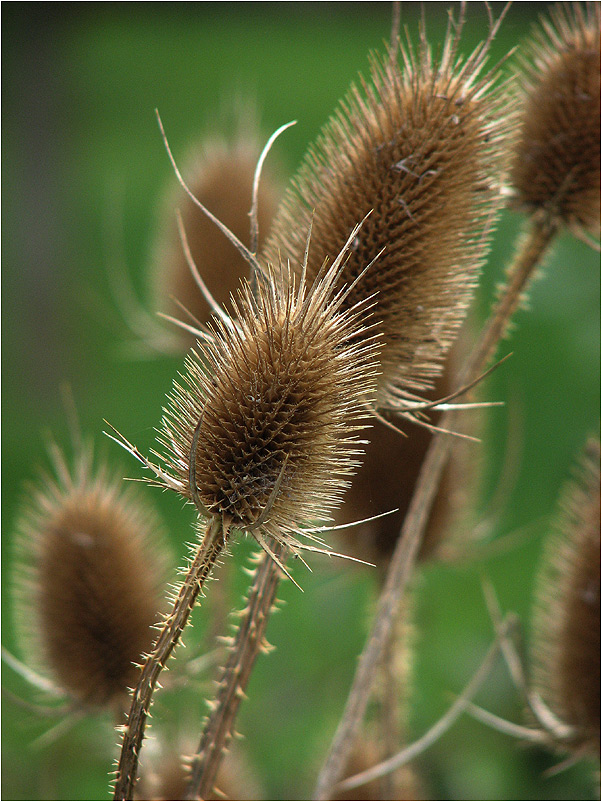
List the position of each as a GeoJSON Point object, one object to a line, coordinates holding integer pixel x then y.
{"type": "Point", "coordinates": [568, 625]}
{"type": "Point", "coordinates": [418, 147]}
{"type": "Point", "coordinates": [276, 398]}
{"type": "Point", "coordinates": [89, 588]}
{"type": "Point", "coordinates": [387, 477]}
{"type": "Point", "coordinates": [556, 166]}
{"type": "Point", "coordinates": [221, 177]}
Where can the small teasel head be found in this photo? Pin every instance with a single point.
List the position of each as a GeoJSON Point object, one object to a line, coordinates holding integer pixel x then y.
{"type": "Point", "coordinates": [388, 474]}
{"type": "Point", "coordinates": [89, 581]}
{"type": "Point", "coordinates": [263, 431]}
{"type": "Point", "coordinates": [567, 631]}
{"type": "Point", "coordinates": [419, 145]}
{"type": "Point", "coordinates": [220, 173]}
{"type": "Point", "coordinates": [556, 163]}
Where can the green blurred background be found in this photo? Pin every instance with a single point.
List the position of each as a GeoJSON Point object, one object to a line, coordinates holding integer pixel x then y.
{"type": "Point", "coordinates": [81, 147]}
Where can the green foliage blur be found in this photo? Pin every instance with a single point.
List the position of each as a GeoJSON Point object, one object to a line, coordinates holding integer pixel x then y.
{"type": "Point", "coordinates": [83, 159]}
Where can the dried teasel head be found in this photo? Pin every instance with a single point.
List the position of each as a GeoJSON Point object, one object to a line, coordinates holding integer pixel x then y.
{"type": "Point", "coordinates": [567, 631]}
{"type": "Point", "coordinates": [220, 174]}
{"type": "Point", "coordinates": [388, 474]}
{"type": "Point", "coordinates": [265, 428]}
{"type": "Point", "coordinates": [556, 163]}
{"type": "Point", "coordinates": [89, 584]}
{"type": "Point", "coordinates": [419, 146]}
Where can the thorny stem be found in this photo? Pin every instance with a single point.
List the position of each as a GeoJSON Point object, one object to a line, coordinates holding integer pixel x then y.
{"type": "Point", "coordinates": [171, 630]}
{"type": "Point", "coordinates": [248, 642]}
{"type": "Point", "coordinates": [410, 538]}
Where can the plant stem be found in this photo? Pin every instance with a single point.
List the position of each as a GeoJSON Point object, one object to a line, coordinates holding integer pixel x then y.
{"type": "Point", "coordinates": [200, 568]}
{"type": "Point", "coordinates": [248, 642]}
{"type": "Point", "coordinates": [530, 253]}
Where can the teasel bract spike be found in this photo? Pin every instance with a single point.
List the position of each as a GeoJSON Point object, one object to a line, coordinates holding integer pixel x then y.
{"type": "Point", "coordinates": [567, 621]}
{"type": "Point", "coordinates": [273, 403]}
{"type": "Point", "coordinates": [91, 567]}
{"type": "Point", "coordinates": [387, 476]}
{"type": "Point", "coordinates": [556, 164]}
{"type": "Point", "coordinates": [419, 145]}
{"type": "Point", "coordinates": [220, 174]}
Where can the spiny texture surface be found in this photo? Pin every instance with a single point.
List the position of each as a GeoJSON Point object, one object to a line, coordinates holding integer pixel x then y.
{"type": "Point", "coordinates": [568, 642]}
{"type": "Point", "coordinates": [90, 584]}
{"type": "Point", "coordinates": [221, 177]}
{"type": "Point", "coordinates": [276, 398]}
{"type": "Point", "coordinates": [556, 166]}
{"type": "Point", "coordinates": [386, 479]}
{"type": "Point", "coordinates": [419, 148]}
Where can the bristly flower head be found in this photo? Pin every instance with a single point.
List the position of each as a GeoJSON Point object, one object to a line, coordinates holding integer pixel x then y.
{"type": "Point", "coordinates": [556, 166]}
{"type": "Point", "coordinates": [419, 147]}
{"type": "Point", "coordinates": [263, 434]}
{"type": "Point", "coordinates": [89, 587]}
{"type": "Point", "coordinates": [568, 624]}
{"type": "Point", "coordinates": [221, 176]}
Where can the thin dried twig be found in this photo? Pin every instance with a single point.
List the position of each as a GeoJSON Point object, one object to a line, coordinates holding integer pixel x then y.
{"type": "Point", "coordinates": [171, 630]}
{"type": "Point", "coordinates": [444, 723]}
{"type": "Point", "coordinates": [247, 644]}
{"type": "Point", "coordinates": [408, 544]}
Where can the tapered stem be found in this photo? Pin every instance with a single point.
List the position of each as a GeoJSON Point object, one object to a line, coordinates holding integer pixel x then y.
{"type": "Point", "coordinates": [200, 568]}
{"type": "Point", "coordinates": [247, 644]}
{"type": "Point", "coordinates": [529, 255]}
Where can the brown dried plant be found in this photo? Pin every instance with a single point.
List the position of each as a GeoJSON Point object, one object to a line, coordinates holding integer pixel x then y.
{"type": "Point", "coordinates": [262, 439]}
{"type": "Point", "coordinates": [221, 175]}
{"type": "Point", "coordinates": [556, 163]}
{"type": "Point", "coordinates": [90, 583]}
{"type": "Point", "coordinates": [567, 626]}
{"type": "Point", "coordinates": [419, 145]}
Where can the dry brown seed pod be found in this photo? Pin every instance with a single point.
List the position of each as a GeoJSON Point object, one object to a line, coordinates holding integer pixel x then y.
{"type": "Point", "coordinates": [271, 407]}
{"type": "Point", "coordinates": [89, 583]}
{"type": "Point", "coordinates": [419, 146]}
{"type": "Point", "coordinates": [220, 174]}
{"type": "Point", "coordinates": [389, 472]}
{"type": "Point", "coordinates": [556, 162]}
{"type": "Point", "coordinates": [567, 625]}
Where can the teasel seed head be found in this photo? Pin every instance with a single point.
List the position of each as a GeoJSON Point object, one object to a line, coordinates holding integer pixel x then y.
{"type": "Point", "coordinates": [271, 407]}
{"type": "Point", "coordinates": [567, 631]}
{"type": "Point", "coordinates": [388, 474]}
{"type": "Point", "coordinates": [419, 146]}
{"type": "Point", "coordinates": [556, 163]}
{"type": "Point", "coordinates": [220, 174]}
{"type": "Point", "coordinates": [89, 581]}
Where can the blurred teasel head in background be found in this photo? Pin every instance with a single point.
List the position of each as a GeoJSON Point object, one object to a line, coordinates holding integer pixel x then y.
{"type": "Point", "coordinates": [90, 578]}
{"type": "Point", "coordinates": [219, 171]}
{"type": "Point", "coordinates": [567, 631]}
{"type": "Point", "coordinates": [556, 165]}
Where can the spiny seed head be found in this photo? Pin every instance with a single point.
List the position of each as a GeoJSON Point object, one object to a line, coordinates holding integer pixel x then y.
{"type": "Point", "coordinates": [89, 581]}
{"type": "Point", "coordinates": [556, 164]}
{"type": "Point", "coordinates": [220, 174]}
{"type": "Point", "coordinates": [567, 656]}
{"type": "Point", "coordinates": [387, 477]}
{"type": "Point", "coordinates": [275, 398]}
{"type": "Point", "coordinates": [419, 147]}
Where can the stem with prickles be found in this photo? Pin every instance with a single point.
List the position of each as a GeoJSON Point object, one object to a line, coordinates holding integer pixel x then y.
{"type": "Point", "coordinates": [245, 648]}
{"type": "Point", "coordinates": [402, 562]}
{"type": "Point", "coordinates": [200, 568]}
